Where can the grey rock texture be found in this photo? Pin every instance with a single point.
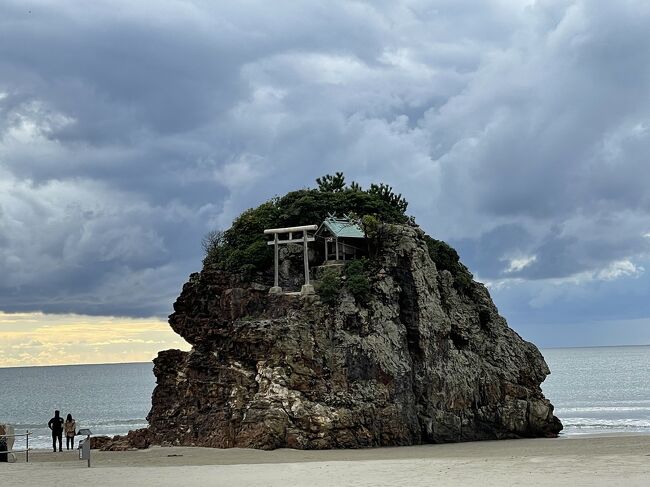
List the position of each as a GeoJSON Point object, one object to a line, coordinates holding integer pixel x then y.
{"type": "Point", "coordinates": [419, 362]}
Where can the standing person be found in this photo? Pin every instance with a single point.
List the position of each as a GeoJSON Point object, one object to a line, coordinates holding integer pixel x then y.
{"type": "Point", "coordinates": [70, 428]}
{"type": "Point", "coordinates": [56, 425]}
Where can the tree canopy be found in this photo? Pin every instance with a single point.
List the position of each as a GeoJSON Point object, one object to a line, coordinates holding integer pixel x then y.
{"type": "Point", "coordinates": [243, 248]}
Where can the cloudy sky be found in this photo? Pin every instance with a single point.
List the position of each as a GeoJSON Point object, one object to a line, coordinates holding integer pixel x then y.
{"type": "Point", "coordinates": [519, 131]}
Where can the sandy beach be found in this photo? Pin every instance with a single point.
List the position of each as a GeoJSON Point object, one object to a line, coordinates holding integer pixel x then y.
{"type": "Point", "coordinates": [576, 461]}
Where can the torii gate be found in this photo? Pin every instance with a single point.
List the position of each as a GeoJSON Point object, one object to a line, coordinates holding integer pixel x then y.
{"type": "Point", "coordinates": [305, 239]}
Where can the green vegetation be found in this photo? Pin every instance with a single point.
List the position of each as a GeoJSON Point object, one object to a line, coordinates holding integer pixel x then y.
{"type": "Point", "coordinates": [375, 233]}
{"type": "Point", "coordinates": [356, 282]}
{"type": "Point", "coordinates": [385, 192]}
{"type": "Point", "coordinates": [446, 258]}
{"type": "Point", "coordinates": [329, 286]}
{"type": "Point", "coordinates": [357, 279]}
{"type": "Point", "coordinates": [332, 184]}
{"type": "Point", "coordinates": [242, 248]}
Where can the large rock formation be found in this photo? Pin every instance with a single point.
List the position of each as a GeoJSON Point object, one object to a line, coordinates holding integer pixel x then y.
{"type": "Point", "coordinates": [418, 362]}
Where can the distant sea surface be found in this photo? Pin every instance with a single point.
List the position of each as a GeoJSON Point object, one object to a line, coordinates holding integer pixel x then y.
{"type": "Point", "coordinates": [594, 390]}
{"type": "Point", "coordinates": [600, 390]}
{"type": "Point", "coordinates": [107, 399]}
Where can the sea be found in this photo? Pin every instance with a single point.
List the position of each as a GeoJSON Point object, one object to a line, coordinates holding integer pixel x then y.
{"type": "Point", "coordinates": [600, 390]}
{"type": "Point", "coordinates": [108, 399]}
{"type": "Point", "coordinates": [594, 390]}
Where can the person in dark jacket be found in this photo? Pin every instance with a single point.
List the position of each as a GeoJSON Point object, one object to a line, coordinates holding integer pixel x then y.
{"type": "Point", "coordinates": [56, 425]}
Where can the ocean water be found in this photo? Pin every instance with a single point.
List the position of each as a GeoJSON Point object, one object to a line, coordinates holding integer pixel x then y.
{"type": "Point", "coordinates": [107, 399]}
{"type": "Point", "coordinates": [600, 390]}
{"type": "Point", "coordinates": [594, 390]}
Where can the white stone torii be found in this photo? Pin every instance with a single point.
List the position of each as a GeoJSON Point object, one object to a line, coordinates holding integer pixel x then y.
{"type": "Point", "coordinates": [305, 239]}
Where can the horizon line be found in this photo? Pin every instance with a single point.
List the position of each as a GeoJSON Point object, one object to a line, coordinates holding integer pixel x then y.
{"type": "Point", "coordinates": [151, 361]}
{"type": "Point", "coordinates": [74, 365]}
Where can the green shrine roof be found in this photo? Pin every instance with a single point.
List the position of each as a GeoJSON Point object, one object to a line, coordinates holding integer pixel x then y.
{"type": "Point", "coordinates": [342, 227]}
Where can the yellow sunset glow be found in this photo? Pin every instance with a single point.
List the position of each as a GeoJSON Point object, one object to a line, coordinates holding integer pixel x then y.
{"type": "Point", "coordinates": [42, 339]}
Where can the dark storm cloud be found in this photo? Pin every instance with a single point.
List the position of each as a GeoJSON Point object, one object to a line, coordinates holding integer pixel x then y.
{"type": "Point", "coordinates": [518, 131]}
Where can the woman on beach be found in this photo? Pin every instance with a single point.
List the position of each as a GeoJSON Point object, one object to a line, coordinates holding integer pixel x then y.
{"type": "Point", "coordinates": [70, 427]}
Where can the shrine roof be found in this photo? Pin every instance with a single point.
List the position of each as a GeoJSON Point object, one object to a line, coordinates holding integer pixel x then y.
{"type": "Point", "coordinates": [342, 227]}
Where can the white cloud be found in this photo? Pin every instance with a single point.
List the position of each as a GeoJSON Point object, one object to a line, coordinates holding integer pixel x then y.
{"type": "Point", "coordinates": [45, 339]}
{"type": "Point", "coordinates": [516, 130]}
{"type": "Point", "coordinates": [516, 265]}
{"type": "Point", "coordinates": [245, 171]}
{"type": "Point", "coordinates": [619, 269]}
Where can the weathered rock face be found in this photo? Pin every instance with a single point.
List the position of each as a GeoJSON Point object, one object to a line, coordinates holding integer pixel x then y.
{"type": "Point", "coordinates": [418, 363]}
{"type": "Point", "coordinates": [139, 439]}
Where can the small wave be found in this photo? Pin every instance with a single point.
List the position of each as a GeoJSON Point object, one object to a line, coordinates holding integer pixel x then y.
{"type": "Point", "coordinates": [114, 422]}
{"type": "Point", "coordinates": [604, 403]}
{"type": "Point", "coordinates": [41, 437]}
{"type": "Point", "coordinates": [584, 423]}
{"type": "Point", "coordinates": [29, 426]}
{"type": "Point", "coordinates": [594, 409]}
{"type": "Point", "coordinates": [607, 426]}
{"type": "Point", "coordinates": [90, 424]}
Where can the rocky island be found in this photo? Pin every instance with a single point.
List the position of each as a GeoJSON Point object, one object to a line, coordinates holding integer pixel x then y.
{"type": "Point", "coordinates": [397, 346]}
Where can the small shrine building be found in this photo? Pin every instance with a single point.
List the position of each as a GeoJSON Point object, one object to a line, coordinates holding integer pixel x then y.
{"type": "Point", "coordinates": [342, 238]}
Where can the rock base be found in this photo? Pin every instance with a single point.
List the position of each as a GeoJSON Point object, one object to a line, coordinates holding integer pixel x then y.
{"type": "Point", "coordinates": [139, 439]}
